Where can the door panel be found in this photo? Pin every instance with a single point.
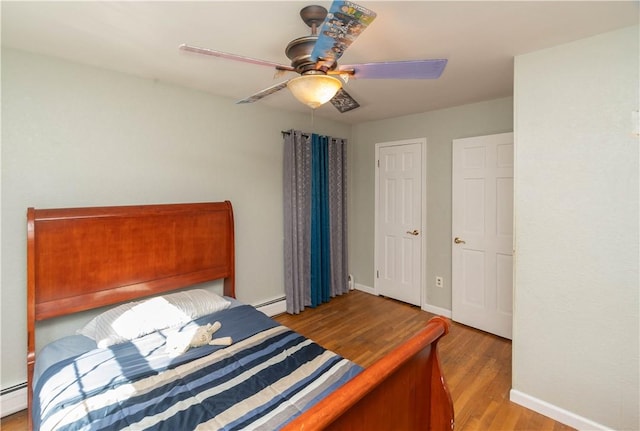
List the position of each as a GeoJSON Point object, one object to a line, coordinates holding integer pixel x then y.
{"type": "Point", "coordinates": [399, 180]}
{"type": "Point", "coordinates": [482, 197]}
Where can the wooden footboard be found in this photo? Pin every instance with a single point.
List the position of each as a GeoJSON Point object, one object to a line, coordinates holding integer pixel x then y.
{"type": "Point", "coordinates": [405, 390]}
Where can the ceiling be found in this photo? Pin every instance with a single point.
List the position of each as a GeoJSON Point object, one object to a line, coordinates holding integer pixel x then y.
{"type": "Point", "coordinates": [479, 38]}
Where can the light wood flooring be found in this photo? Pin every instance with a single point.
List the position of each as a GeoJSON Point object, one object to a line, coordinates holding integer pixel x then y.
{"type": "Point", "coordinates": [476, 365]}
{"type": "Point", "coordinates": [363, 327]}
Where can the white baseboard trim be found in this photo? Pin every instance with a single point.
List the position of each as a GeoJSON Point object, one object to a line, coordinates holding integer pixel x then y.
{"type": "Point", "coordinates": [554, 412]}
{"type": "Point", "coordinates": [437, 310]}
{"type": "Point", "coordinates": [426, 307]}
{"type": "Point", "coordinates": [13, 402]}
{"type": "Point", "coordinates": [273, 308]}
{"type": "Point", "coordinates": [366, 289]}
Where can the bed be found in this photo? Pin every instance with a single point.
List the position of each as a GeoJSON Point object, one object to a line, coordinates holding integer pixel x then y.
{"type": "Point", "coordinates": [85, 258]}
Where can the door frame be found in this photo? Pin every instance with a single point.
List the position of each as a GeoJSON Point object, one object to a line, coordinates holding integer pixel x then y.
{"type": "Point", "coordinates": [423, 210]}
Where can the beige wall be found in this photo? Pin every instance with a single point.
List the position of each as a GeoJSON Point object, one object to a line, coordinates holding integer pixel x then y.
{"type": "Point", "coordinates": [74, 135]}
{"type": "Point", "coordinates": [440, 128]}
{"type": "Point", "coordinates": [576, 321]}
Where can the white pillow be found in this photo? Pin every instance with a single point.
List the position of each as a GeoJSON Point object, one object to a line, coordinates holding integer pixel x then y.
{"type": "Point", "coordinates": [134, 319]}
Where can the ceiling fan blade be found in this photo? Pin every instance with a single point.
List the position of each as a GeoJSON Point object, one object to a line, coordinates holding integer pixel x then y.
{"type": "Point", "coordinates": [412, 69]}
{"type": "Point", "coordinates": [264, 93]}
{"type": "Point", "coordinates": [344, 102]}
{"type": "Point", "coordinates": [226, 55]}
{"type": "Point", "coordinates": [345, 21]}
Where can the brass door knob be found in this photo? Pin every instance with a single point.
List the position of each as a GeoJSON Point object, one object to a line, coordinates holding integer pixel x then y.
{"type": "Point", "coordinates": [413, 232]}
{"type": "Point", "coordinates": [459, 241]}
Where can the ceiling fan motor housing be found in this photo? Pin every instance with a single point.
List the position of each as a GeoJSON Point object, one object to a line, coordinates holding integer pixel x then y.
{"type": "Point", "coordinates": [299, 50]}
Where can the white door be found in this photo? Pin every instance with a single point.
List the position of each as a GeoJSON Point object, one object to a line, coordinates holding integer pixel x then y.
{"type": "Point", "coordinates": [399, 219]}
{"type": "Point", "coordinates": [482, 233]}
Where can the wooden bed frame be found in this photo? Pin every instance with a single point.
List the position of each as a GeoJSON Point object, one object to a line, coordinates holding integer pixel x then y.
{"type": "Point", "coordinates": [84, 258]}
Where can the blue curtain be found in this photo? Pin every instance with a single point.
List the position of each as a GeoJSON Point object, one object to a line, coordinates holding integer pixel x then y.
{"type": "Point", "coordinates": [320, 228]}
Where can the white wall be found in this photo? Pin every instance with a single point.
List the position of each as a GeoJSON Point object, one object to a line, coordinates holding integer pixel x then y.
{"type": "Point", "coordinates": [74, 136]}
{"type": "Point", "coordinates": [576, 320]}
{"type": "Point", "coordinates": [440, 128]}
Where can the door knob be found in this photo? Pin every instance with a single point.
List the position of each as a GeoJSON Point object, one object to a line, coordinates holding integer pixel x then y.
{"type": "Point", "coordinates": [413, 232]}
{"type": "Point", "coordinates": [459, 241]}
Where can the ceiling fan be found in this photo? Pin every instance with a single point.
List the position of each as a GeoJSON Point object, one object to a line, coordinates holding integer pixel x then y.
{"type": "Point", "coordinates": [315, 58]}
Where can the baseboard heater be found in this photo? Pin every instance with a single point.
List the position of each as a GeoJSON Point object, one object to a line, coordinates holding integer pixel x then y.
{"type": "Point", "coordinates": [6, 391]}
{"type": "Point", "coordinates": [273, 307]}
{"type": "Point", "coordinates": [273, 301]}
{"type": "Point", "coordinates": [13, 399]}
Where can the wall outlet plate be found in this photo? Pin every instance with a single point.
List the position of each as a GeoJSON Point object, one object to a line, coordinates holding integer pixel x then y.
{"type": "Point", "coordinates": [439, 282]}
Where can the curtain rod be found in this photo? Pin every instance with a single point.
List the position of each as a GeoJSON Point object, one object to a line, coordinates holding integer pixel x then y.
{"type": "Point", "coordinates": [305, 134]}
{"type": "Point", "coordinates": [288, 132]}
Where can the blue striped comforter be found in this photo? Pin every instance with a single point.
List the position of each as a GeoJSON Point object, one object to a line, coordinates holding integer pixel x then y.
{"type": "Point", "coordinates": [268, 376]}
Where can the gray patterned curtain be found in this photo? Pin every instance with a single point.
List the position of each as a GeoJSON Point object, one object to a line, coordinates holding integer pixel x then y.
{"type": "Point", "coordinates": [315, 219]}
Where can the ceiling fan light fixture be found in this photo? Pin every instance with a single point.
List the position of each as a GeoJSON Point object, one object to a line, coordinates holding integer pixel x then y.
{"type": "Point", "coordinates": [314, 90]}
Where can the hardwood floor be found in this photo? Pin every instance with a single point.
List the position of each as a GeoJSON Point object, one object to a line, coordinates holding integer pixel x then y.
{"type": "Point", "coordinates": [363, 327]}
{"type": "Point", "coordinates": [15, 422]}
{"type": "Point", "coordinates": [476, 365]}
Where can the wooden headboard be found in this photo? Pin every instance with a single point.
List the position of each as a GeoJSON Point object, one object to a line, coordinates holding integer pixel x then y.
{"type": "Point", "coordinates": [84, 258]}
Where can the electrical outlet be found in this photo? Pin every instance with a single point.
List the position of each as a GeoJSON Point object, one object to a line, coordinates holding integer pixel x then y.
{"type": "Point", "coordinates": [439, 282]}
